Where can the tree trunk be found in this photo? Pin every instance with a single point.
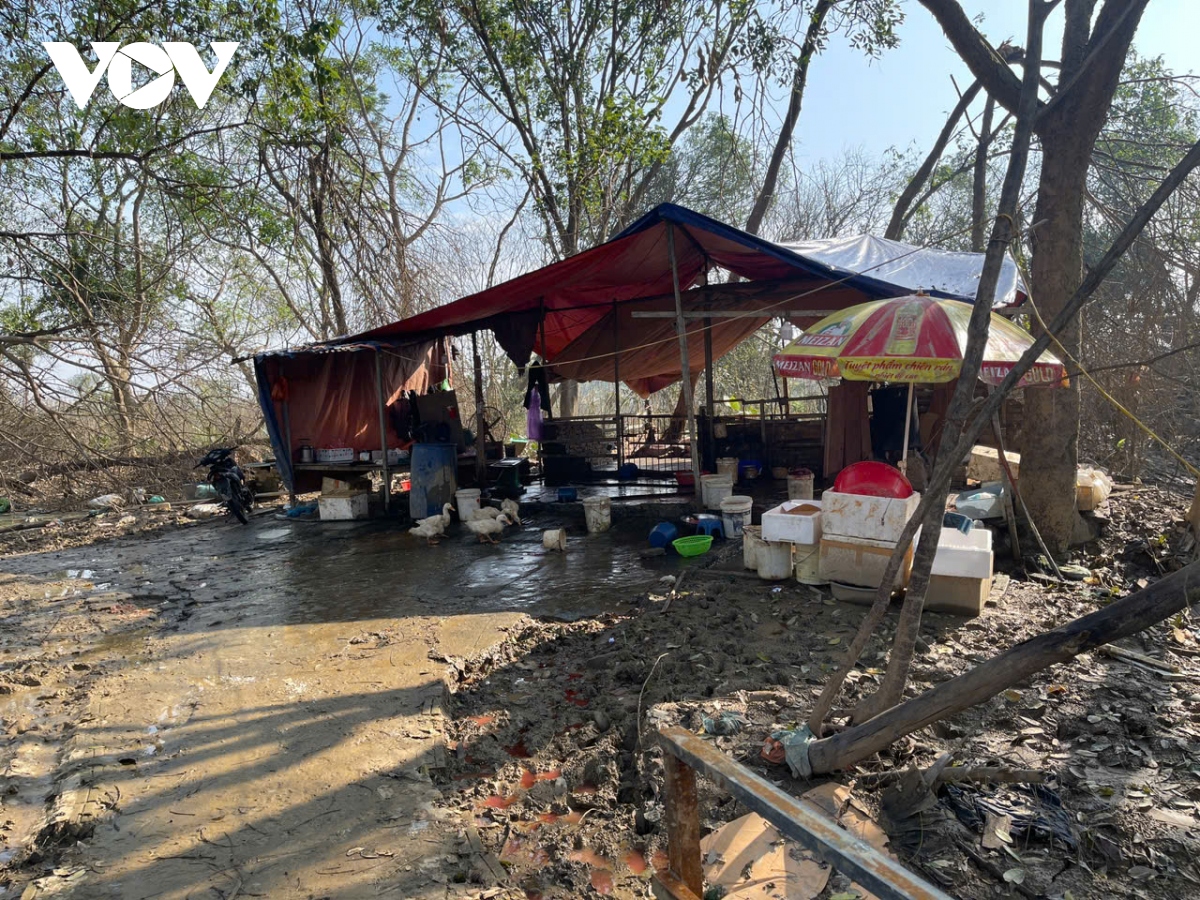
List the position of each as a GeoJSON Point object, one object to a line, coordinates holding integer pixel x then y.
{"type": "Point", "coordinates": [1118, 620]}
{"type": "Point", "coordinates": [1057, 270]}
{"type": "Point", "coordinates": [678, 423]}
{"type": "Point", "coordinates": [568, 399]}
{"type": "Point", "coordinates": [1004, 232]}
{"type": "Point", "coordinates": [816, 27]}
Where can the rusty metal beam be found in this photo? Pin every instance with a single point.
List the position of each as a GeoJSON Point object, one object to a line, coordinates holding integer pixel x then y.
{"type": "Point", "coordinates": [795, 819]}
{"type": "Point", "coordinates": [683, 824]}
{"type": "Point", "coordinates": [667, 887]}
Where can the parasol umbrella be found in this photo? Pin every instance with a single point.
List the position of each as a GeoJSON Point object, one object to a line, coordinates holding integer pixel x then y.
{"type": "Point", "coordinates": [915, 339]}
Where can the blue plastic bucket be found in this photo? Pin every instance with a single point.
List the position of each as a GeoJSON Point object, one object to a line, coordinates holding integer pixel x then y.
{"type": "Point", "coordinates": [662, 534]}
{"type": "Point", "coordinates": [434, 478]}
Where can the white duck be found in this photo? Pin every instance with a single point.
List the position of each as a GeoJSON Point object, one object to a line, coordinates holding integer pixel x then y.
{"type": "Point", "coordinates": [486, 528]}
{"type": "Point", "coordinates": [511, 508]}
{"type": "Point", "coordinates": [433, 527]}
{"type": "Point", "coordinates": [485, 512]}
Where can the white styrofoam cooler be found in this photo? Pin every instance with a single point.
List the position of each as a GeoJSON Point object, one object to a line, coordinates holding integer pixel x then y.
{"type": "Point", "coordinates": [961, 577]}
{"type": "Point", "coordinates": [863, 516]}
{"type": "Point", "coordinates": [964, 555]}
{"type": "Point", "coordinates": [335, 507]}
{"type": "Point", "coordinates": [780, 525]}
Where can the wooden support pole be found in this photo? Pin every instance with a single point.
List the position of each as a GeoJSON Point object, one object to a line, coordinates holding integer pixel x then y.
{"type": "Point", "coordinates": [1010, 489]}
{"type": "Point", "coordinates": [709, 394]}
{"type": "Point", "coordinates": [383, 447]}
{"type": "Point", "coordinates": [1011, 482]}
{"type": "Point", "coordinates": [480, 436]}
{"type": "Point", "coordinates": [685, 382]}
{"type": "Point", "coordinates": [617, 386]}
{"type": "Point", "coordinates": [548, 412]}
{"type": "Point", "coordinates": [1125, 617]}
{"type": "Point", "coordinates": [291, 458]}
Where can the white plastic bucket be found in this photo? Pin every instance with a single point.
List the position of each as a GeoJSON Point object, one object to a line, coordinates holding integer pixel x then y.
{"type": "Point", "coordinates": [735, 514]}
{"type": "Point", "coordinates": [597, 512]}
{"type": "Point", "coordinates": [800, 487]}
{"type": "Point", "coordinates": [714, 489]}
{"type": "Point", "coordinates": [775, 560]}
{"type": "Point", "coordinates": [728, 465]}
{"type": "Point", "coordinates": [751, 541]}
{"type": "Point", "coordinates": [555, 539]}
{"type": "Point", "coordinates": [466, 501]}
{"type": "Point", "coordinates": [808, 563]}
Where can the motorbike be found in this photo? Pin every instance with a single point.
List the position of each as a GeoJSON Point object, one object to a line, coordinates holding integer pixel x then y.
{"type": "Point", "coordinates": [226, 476]}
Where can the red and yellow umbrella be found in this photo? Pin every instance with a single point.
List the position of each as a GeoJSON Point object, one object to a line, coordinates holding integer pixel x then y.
{"type": "Point", "coordinates": [914, 339]}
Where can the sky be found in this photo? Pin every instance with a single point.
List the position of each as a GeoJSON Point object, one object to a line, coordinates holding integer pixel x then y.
{"type": "Point", "coordinates": [904, 96]}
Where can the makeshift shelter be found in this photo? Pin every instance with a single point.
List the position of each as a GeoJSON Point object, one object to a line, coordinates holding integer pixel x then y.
{"type": "Point", "coordinates": [616, 312]}
{"type": "Point", "coordinates": [351, 394]}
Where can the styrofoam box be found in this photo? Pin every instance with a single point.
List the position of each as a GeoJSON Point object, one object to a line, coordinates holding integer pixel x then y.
{"type": "Point", "coordinates": [964, 555]}
{"type": "Point", "coordinates": [984, 464]}
{"type": "Point", "coordinates": [336, 507]}
{"type": "Point", "coordinates": [860, 561]}
{"type": "Point", "coordinates": [780, 525]}
{"type": "Point", "coordinates": [861, 516]}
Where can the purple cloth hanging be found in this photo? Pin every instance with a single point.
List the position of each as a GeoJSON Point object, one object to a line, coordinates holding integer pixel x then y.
{"type": "Point", "coordinates": [533, 417]}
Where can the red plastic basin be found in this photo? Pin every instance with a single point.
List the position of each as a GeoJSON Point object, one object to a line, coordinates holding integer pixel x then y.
{"type": "Point", "coordinates": [873, 479]}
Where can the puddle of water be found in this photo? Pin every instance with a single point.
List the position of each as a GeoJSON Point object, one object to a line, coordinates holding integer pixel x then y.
{"type": "Point", "coordinates": [274, 575]}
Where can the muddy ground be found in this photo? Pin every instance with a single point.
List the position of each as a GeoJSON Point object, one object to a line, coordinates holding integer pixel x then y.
{"type": "Point", "coordinates": [304, 710]}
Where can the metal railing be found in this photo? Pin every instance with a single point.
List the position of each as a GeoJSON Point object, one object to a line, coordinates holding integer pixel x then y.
{"type": "Point", "coordinates": [686, 754]}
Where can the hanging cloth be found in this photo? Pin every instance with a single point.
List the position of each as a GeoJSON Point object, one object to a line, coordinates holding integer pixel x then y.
{"type": "Point", "coordinates": [538, 383]}
{"type": "Point", "coordinates": [533, 418]}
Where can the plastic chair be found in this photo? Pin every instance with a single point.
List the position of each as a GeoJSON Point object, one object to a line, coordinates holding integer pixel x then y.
{"type": "Point", "coordinates": [710, 525]}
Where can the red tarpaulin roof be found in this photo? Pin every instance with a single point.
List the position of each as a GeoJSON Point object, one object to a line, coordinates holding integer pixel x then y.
{"type": "Point", "coordinates": [565, 311]}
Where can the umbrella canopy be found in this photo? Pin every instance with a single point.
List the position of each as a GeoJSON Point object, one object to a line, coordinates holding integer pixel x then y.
{"type": "Point", "coordinates": [912, 339]}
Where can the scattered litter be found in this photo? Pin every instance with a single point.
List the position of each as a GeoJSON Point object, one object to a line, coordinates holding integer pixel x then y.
{"type": "Point", "coordinates": [791, 746]}
{"type": "Point", "coordinates": [1033, 811]}
{"type": "Point", "coordinates": [725, 722]}
{"type": "Point", "coordinates": [204, 511]}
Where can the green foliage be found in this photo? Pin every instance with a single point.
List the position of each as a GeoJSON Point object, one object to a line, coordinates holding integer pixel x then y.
{"type": "Point", "coordinates": [575, 95]}
{"type": "Point", "coordinates": [713, 170]}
